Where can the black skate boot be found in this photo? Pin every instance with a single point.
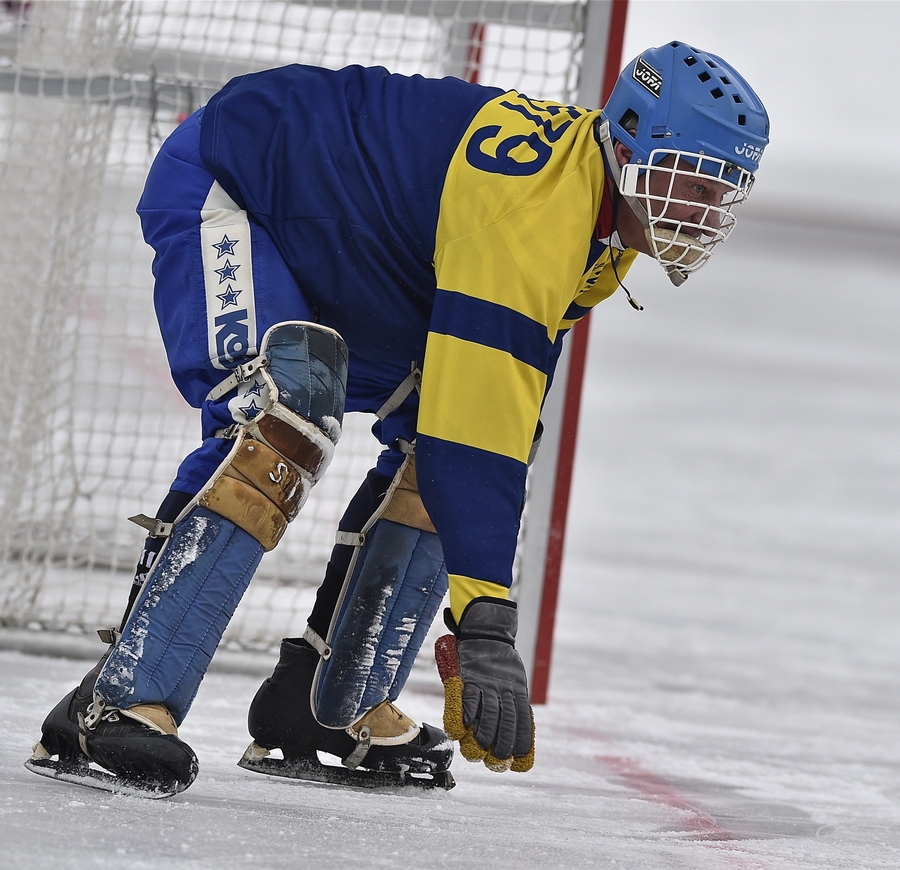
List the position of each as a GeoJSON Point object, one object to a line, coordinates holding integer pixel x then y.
{"type": "Point", "coordinates": [138, 748]}
{"type": "Point", "coordinates": [385, 748]}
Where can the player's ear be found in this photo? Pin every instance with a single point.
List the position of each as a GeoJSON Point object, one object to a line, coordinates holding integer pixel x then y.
{"type": "Point", "coordinates": [623, 153]}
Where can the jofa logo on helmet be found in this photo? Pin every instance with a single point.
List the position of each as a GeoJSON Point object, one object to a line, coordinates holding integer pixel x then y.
{"type": "Point", "coordinates": [752, 152]}
{"type": "Point", "coordinates": [647, 77]}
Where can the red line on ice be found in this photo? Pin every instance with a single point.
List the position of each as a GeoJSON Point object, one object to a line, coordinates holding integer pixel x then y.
{"type": "Point", "coordinates": [656, 789]}
{"type": "Point", "coordinates": [653, 787]}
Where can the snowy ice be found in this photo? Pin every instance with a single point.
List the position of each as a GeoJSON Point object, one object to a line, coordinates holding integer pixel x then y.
{"type": "Point", "coordinates": [724, 683]}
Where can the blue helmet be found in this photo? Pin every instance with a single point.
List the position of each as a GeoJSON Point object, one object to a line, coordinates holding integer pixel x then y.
{"type": "Point", "coordinates": [691, 121]}
{"type": "Point", "coordinates": [690, 101]}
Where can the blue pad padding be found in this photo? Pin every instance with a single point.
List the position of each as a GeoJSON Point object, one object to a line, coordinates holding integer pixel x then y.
{"type": "Point", "coordinates": [181, 614]}
{"type": "Point", "coordinates": [394, 593]}
{"type": "Point", "coordinates": [309, 366]}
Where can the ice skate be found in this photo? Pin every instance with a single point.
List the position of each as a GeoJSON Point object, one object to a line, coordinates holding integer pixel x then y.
{"type": "Point", "coordinates": [135, 751]}
{"type": "Point", "coordinates": [383, 749]}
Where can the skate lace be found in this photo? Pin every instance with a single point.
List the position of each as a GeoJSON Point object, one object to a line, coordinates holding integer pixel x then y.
{"type": "Point", "coordinates": [96, 713]}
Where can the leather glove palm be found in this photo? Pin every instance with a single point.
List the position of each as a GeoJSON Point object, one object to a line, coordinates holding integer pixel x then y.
{"type": "Point", "coordinates": [486, 704]}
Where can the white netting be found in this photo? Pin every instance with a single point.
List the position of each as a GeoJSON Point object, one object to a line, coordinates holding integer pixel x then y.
{"type": "Point", "coordinates": [94, 428]}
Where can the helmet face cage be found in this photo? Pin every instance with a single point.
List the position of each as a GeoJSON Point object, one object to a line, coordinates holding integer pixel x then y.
{"type": "Point", "coordinates": [683, 231]}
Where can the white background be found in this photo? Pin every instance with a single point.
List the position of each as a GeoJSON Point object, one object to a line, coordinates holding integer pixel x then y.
{"type": "Point", "coordinates": [826, 70]}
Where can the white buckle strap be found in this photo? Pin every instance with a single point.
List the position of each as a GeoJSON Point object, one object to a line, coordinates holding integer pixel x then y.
{"type": "Point", "coordinates": [406, 447]}
{"type": "Point", "coordinates": [363, 744]}
{"type": "Point", "coordinates": [317, 643]}
{"type": "Point", "coordinates": [155, 528]}
{"type": "Point", "coordinates": [239, 375]}
{"type": "Point", "coordinates": [109, 635]}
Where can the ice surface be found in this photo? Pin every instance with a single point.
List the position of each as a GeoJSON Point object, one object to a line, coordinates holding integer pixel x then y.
{"type": "Point", "coordinates": [724, 691]}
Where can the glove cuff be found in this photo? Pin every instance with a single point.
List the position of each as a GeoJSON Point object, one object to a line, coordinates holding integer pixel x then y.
{"type": "Point", "coordinates": [486, 619]}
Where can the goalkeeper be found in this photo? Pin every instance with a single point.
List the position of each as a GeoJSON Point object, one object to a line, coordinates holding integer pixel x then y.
{"type": "Point", "coordinates": [351, 240]}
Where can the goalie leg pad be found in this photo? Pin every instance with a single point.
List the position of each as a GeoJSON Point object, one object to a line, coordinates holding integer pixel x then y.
{"type": "Point", "coordinates": [218, 540]}
{"type": "Point", "coordinates": [180, 616]}
{"type": "Point", "coordinates": [394, 587]}
{"type": "Point", "coordinates": [395, 592]}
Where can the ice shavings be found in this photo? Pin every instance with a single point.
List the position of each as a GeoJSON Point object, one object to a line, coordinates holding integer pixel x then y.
{"type": "Point", "coordinates": [372, 615]}
{"type": "Point", "coordinates": [183, 549]}
{"type": "Point", "coordinates": [404, 632]}
{"type": "Point", "coordinates": [331, 427]}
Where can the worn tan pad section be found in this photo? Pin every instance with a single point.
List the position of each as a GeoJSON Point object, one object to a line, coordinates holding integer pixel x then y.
{"type": "Point", "coordinates": [389, 725]}
{"type": "Point", "coordinates": [258, 491]}
{"type": "Point", "coordinates": [293, 444]}
{"type": "Point", "coordinates": [404, 504]}
{"type": "Point", "coordinates": [155, 715]}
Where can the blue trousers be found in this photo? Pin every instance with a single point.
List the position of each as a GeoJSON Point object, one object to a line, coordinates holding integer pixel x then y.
{"type": "Point", "coordinates": [220, 283]}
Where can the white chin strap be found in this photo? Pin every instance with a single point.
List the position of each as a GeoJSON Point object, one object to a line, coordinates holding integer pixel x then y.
{"type": "Point", "coordinates": [680, 247]}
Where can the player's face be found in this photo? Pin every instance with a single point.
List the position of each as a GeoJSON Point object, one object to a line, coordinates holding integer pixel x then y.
{"type": "Point", "coordinates": [683, 199]}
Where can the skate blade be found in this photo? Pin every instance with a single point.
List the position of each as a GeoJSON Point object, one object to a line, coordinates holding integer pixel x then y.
{"type": "Point", "coordinates": [77, 774]}
{"type": "Point", "coordinates": [309, 768]}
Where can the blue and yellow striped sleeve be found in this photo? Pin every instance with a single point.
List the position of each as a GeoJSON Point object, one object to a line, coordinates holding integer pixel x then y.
{"type": "Point", "coordinates": [518, 210]}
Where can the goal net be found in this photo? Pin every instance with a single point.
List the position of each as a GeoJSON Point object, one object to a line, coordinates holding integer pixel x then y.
{"type": "Point", "coordinates": [94, 428]}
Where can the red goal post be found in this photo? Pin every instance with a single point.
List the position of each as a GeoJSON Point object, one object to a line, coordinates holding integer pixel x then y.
{"type": "Point", "coordinates": [550, 478]}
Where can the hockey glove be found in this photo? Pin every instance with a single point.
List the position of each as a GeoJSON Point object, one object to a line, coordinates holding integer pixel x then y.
{"type": "Point", "coordinates": [485, 688]}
